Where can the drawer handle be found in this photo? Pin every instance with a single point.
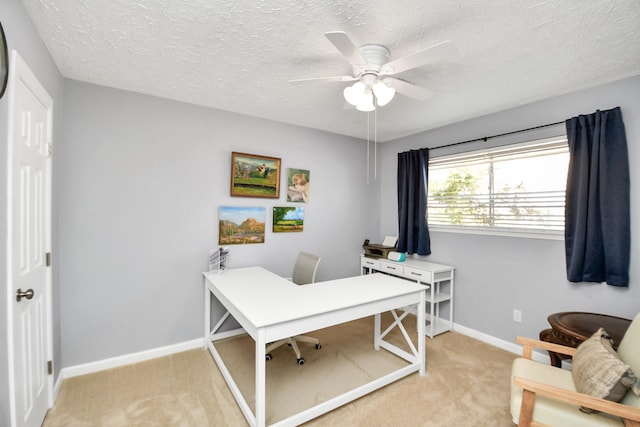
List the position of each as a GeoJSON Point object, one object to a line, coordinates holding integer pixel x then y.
{"type": "Point", "coordinates": [416, 274]}
{"type": "Point", "coordinates": [391, 268]}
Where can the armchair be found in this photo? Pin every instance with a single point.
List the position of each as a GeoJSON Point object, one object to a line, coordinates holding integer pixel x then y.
{"type": "Point", "coordinates": [546, 395]}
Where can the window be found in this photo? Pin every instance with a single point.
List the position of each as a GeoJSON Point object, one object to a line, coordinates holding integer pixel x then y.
{"type": "Point", "coordinates": [515, 189]}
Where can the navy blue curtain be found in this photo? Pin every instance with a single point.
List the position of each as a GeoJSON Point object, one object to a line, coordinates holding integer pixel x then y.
{"type": "Point", "coordinates": [597, 212]}
{"type": "Point", "coordinates": [413, 235]}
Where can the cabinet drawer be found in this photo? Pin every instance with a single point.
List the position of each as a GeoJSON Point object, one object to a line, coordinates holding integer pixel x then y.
{"type": "Point", "coordinates": [391, 268]}
{"type": "Point", "coordinates": [417, 274]}
{"type": "Point", "coordinates": [370, 263]}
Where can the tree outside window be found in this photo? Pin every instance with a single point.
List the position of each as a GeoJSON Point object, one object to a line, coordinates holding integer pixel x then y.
{"type": "Point", "coordinates": [517, 187]}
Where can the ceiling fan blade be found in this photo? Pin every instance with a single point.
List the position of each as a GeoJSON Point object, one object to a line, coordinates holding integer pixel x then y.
{"type": "Point", "coordinates": [349, 50]}
{"type": "Point", "coordinates": [443, 51]}
{"type": "Point", "coordinates": [329, 78]}
{"type": "Point", "coordinates": [408, 89]}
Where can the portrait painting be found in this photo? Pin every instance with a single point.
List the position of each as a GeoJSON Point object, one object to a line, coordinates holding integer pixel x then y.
{"type": "Point", "coordinates": [298, 185]}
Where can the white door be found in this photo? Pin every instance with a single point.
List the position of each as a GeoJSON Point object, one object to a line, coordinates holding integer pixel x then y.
{"type": "Point", "coordinates": [29, 228]}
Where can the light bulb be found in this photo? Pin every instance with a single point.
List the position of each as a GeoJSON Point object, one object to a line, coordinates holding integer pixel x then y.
{"type": "Point", "coordinates": [355, 94]}
{"type": "Point", "coordinates": [367, 102]}
{"type": "Point", "coordinates": [384, 94]}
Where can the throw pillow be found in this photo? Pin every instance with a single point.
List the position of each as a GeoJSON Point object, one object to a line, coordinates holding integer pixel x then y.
{"type": "Point", "coordinates": [597, 370]}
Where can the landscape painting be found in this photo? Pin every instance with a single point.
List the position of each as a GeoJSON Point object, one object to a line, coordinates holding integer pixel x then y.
{"type": "Point", "coordinates": [255, 176]}
{"type": "Point", "coordinates": [241, 225]}
{"type": "Point", "coordinates": [288, 219]}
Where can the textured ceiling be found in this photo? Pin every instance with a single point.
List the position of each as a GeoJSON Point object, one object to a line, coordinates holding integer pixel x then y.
{"type": "Point", "coordinates": [238, 55]}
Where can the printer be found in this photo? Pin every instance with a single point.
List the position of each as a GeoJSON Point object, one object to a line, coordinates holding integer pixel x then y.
{"type": "Point", "coordinates": [382, 250]}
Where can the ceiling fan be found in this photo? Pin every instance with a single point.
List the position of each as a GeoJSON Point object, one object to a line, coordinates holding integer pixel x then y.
{"type": "Point", "coordinates": [372, 71]}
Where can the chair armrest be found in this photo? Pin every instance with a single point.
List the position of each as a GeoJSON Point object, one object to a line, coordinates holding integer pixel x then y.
{"type": "Point", "coordinates": [529, 344]}
{"type": "Point", "coordinates": [629, 414]}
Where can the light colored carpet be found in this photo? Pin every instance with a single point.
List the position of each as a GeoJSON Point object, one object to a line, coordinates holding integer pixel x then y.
{"type": "Point", "coordinates": [467, 384]}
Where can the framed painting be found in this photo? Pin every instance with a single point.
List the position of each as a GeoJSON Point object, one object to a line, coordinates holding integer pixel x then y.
{"type": "Point", "coordinates": [287, 219]}
{"type": "Point", "coordinates": [255, 176]}
{"type": "Point", "coordinates": [298, 185]}
{"type": "Point", "coordinates": [239, 225]}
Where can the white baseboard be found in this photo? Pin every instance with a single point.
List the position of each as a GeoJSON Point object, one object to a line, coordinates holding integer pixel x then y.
{"type": "Point", "coordinates": [127, 359]}
{"type": "Point", "coordinates": [511, 347]}
{"type": "Point", "coordinates": [57, 385]}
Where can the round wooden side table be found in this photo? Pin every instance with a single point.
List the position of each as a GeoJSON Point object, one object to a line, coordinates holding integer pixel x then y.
{"type": "Point", "coordinates": [571, 328]}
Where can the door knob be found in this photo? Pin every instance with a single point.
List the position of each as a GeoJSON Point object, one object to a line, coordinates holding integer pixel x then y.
{"type": "Point", "coordinates": [28, 294]}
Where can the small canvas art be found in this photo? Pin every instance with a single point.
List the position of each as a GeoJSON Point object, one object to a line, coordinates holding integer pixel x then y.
{"type": "Point", "coordinates": [298, 185]}
{"type": "Point", "coordinates": [288, 219]}
{"type": "Point", "coordinates": [241, 225]}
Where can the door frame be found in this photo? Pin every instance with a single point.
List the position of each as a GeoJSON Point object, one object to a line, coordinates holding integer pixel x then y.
{"type": "Point", "coordinates": [20, 71]}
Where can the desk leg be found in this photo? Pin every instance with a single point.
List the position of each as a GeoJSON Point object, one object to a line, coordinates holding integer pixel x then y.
{"type": "Point", "coordinates": [451, 302]}
{"type": "Point", "coordinates": [431, 308]}
{"type": "Point", "coordinates": [261, 383]}
{"type": "Point", "coordinates": [207, 314]}
{"type": "Point", "coordinates": [376, 331]}
{"type": "Point", "coordinates": [422, 354]}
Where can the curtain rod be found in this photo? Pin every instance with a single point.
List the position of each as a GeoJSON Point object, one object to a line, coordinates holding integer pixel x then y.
{"type": "Point", "coordinates": [486, 138]}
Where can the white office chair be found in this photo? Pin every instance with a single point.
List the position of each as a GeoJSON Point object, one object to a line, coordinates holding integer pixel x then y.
{"type": "Point", "coordinates": [304, 272]}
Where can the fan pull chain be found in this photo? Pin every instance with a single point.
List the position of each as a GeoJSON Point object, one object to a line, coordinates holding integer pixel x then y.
{"type": "Point", "coordinates": [375, 141]}
{"type": "Point", "coordinates": [368, 151]}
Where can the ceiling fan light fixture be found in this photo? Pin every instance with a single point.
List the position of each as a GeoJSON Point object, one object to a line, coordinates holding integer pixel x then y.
{"type": "Point", "coordinates": [355, 94]}
{"type": "Point", "coordinates": [366, 103]}
{"type": "Point", "coordinates": [384, 94]}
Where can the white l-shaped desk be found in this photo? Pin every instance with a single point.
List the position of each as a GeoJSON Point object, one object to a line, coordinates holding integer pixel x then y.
{"type": "Point", "coordinates": [269, 308]}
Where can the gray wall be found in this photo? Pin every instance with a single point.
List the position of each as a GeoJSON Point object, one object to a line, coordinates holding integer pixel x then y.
{"type": "Point", "coordinates": [22, 37]}
{"type": "Point", "coordinates": [141, 180]}
{"type": "Point", "coordinates": [497, 274]}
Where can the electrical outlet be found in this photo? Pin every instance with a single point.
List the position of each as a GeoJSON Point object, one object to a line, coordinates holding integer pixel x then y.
{"type": "Point", "coordinates": [517, 316]}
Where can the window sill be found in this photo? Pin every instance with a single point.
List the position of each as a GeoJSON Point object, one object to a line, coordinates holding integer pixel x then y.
{"type": "Point", "coordinates": [500, 232]}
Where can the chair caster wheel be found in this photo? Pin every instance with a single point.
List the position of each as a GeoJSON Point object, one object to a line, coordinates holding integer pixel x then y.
{"type": "Point", "coordinates": [301, 361]}
{"type": "Point", "coordinates": [318, 346]}
{"type": "Point", "coordinates": [268, 357]}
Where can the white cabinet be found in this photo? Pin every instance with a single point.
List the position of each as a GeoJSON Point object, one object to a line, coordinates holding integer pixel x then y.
{"type": "Point", "coordinates": [439, 277]}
